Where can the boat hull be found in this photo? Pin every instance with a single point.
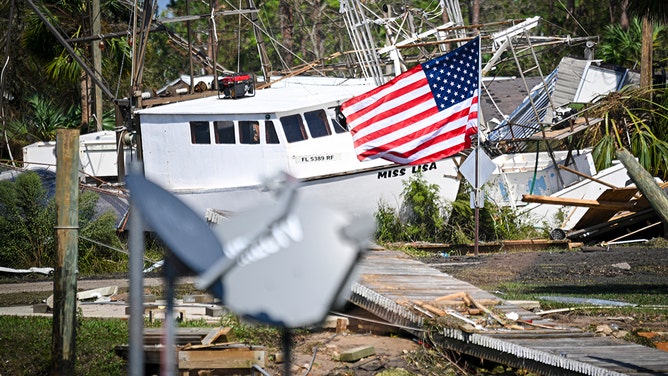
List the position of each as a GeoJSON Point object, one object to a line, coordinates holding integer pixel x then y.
{"type": "Point", "coordinates": [355, 194]}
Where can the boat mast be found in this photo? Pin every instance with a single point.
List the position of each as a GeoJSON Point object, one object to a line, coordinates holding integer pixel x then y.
{"type": "Point", "coordinates": [360, 35]}
{"type": "Point", "coordinates": [139, 44]}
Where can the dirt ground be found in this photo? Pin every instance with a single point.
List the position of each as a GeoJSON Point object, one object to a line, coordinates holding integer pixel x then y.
{"type": "Point", "coordinates": [616, 271]}
{"type": "Point", "coordinates": [318, 354]}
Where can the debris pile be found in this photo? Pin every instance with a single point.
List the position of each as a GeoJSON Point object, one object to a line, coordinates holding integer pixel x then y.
{"type": "Point", "coordinates": [460, 310]}
{"type": "Point", "coordinates": [201, 350]}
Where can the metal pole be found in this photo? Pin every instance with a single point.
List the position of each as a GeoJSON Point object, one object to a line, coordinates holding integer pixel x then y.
{"type": "Point", "coordinates": [67, 234]}
{"type": "Point", "coordinates": [168, 355]}
{"type": "Point", "coordinates": [136, 347]}
{"type": "Point", "coordinates": [476, 195]}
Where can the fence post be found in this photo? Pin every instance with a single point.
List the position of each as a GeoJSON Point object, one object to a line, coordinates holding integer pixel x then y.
{"type": "Point", "coordinates": [67, 234]}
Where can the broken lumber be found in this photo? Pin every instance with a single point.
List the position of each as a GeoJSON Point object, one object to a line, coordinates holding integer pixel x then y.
{"type": "Point", "coordinates": [578, 173]}
{"type": "Point", "coordinates": [220, 359]}
{"type": "Point", "coordinates": [216, 334]}
{"type": "Point", "coordinates": [611, 205]}
{"type": "Point", "coordinates": [357, 353]}
{"type": "Point", "coordinates": [487, 311]}
{"type": "Point", "coordinates": [459, 295]}
{"type": "Point", "coordinates": [431, 308]}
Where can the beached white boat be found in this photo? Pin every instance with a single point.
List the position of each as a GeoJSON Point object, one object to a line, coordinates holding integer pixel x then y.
{"type": "Point", "coordinates": [214, 153]}
{"type": "Point", "coordinates": [566, 217]}
{"type": "Point", "coordinates": [98, 155]}
{"type": "Point", "coordinates": [537, 174]}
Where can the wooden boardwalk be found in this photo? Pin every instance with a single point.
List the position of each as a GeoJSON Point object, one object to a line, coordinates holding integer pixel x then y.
{"type": "Point", "coordinates": [406, 292]}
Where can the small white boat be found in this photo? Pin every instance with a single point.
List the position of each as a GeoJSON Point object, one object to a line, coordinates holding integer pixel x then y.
{"type": "Point", "coordinates": [537, 174]}
{"type": "Point", "coordinates": [98, 155]}
{"type": "Point", "coordinates": [566, 217]}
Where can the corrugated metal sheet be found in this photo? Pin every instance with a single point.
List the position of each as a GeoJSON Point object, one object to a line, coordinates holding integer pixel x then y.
{"type": "Point", "coordinates": [574, 81]}
{"type": "Point", "coordinates": [525, 121]}
{"type": "Point", "coordinates": [570, 76]}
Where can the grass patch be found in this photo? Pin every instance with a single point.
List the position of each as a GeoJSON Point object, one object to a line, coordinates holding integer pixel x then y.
{"type": "Point", "coordinates": [27, 343]}
{"type": "Point", "coordinates": [648, 296]}
{"type": "Point", "coordinates": [27, 346]}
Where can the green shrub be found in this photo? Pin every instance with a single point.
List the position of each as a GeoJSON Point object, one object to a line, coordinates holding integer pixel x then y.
{"type": "Point", "coordinates": [28, 220]}
{"type": "Point", "coordinates": [424, 217]}
{"type": "Point", "coordinates": [388, 226]}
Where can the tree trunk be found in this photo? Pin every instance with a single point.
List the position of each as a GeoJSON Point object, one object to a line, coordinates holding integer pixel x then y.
{"type": "Point", "coordinates": [646, 72]}
{"type": "Point", "coordinates": [475, 20]}
{"type": "Point", "coordinates": [285, 12]}
{"type": "Point", "coordinates": [624, 18]}
{"type": "Point", "coordinates": [645, 182]}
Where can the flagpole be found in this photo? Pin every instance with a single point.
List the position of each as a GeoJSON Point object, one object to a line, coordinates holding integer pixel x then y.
{"type": "Point", "coordinates": [476, 191]}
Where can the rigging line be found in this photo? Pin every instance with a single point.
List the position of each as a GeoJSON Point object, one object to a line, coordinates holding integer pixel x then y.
{"type": "Point", "coordinates": [574, 19]}
{"type": "Point", "coordinates": [489, 95]}
{"type": "Point", "coordinates": [120, 71]}
{"type": "Point", "coordinates": [127, 252]}
{"type": "Point", "coordinates": [278, 43]}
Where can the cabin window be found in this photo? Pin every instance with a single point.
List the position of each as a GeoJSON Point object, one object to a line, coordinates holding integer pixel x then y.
{"type": "Point", "coordinates": [199, 132]}
{"type": "Point", "coordinates": [317, 123]}
{"type": "Point", "coordinates": [338, 120]}
{"type": "Point", "coordinates": [224, 131]}
{"type": "Point", "coordinates": [293, 126]}
{"type": "Point", "coordinates": [249, 132]}
{"type": "Point", "coordinates": [271, 137]}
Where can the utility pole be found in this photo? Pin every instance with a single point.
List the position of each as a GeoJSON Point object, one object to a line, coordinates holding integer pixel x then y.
{"type": "Point", "coordinates": [97, 63]}
{"type": "Point", "coordinates": [67, 234]}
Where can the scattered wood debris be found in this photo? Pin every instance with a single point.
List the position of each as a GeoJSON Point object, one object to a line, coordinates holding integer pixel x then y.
{"type": "Point", "coordinates": [463, 311]}
{"type": "Point", "coordinates": [616, 211]}
{"type": "Point", "coordinates": [201, 350]}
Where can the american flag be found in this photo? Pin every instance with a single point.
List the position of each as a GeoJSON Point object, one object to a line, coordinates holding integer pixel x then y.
{"type": "Point", "coordinates": [423, 115]}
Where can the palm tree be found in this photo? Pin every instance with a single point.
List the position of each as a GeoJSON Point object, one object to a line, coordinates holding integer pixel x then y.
{"type": "Point", "coordinates": [71, 83]}
{"type": "Point", "coordinates": [650, 11]}
{"type": "Point", "coordinates": [633, 121]}
{"type": "Point", "coordinates": [622, 46]}
{"type": "Point", "coordinates": [41, 121]}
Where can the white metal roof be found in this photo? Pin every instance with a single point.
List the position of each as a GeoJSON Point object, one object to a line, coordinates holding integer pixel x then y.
{"type": "Point", "coordinates": [283, 96]}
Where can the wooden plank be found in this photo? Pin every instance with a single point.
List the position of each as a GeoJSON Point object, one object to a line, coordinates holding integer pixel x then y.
{"type": "Point", "coordinates": [579, 125]}
{"type": "Point", "coordinates": [183, 335]}
{"type": "Point", "coordinates": [224, 333]}
{"type": "Point", "coordinates": [599, 215]}
{"type": "Point", "coordinates": [566, 201]}
{"type": "Point", "coordinates": [357, 353]}
{"type": "Point", "coordinates": [220, 359]}
{"type": "Point", "coordinates": [199, 298]}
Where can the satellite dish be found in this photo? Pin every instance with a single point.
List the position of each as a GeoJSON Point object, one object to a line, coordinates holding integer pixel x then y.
{"type": "Point", "coordinates": [298, 269]}
{"type": "Point", "coordinates": [192, 245]}
{"type": "Point", "coordinates": [284, 264]}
